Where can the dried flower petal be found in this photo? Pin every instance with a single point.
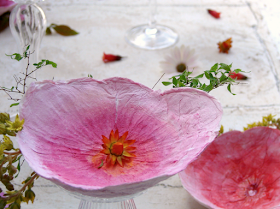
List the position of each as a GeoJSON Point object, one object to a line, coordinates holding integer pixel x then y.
{"type": "Point", "coordinates": [71, 128]}
{"type": "Point", "coordinates": [213, 13]}
{"type": "Point", "coordinates": [225, 46]}
{"type": "Point", "coordinates": [238, 76]}
{"type": "Point", "coordinates": [110, 58]}
{"type": "Point", "coordinates": [238, 170]}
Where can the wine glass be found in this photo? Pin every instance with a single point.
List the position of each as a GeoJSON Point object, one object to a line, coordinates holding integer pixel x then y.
{"type": "Point", "coordinates": [28, 23]}
{"type": "Point", "coordinates": [152, 36]}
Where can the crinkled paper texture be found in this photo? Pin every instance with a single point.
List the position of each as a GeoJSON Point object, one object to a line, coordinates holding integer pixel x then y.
{"type": "Point", "coordinates": [6, 5]}
{"type": "Point", "coordinates": [223, 175]}
{"type": "Point", "coordinates": [65, 121]}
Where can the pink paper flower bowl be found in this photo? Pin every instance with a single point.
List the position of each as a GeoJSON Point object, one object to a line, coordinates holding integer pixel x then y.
{"type": "Point", "coordinates": [239, 170]}
{"type": "Point", "coordinates": [113, 137]}
{"type": "Point", "coordinates": [6, 5]}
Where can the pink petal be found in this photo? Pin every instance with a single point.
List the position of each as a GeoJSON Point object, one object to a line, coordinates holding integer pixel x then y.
{"type": "Point", "coordinates": [238, 170]}
{"type": "Point", "coordinates": [65, 121]}
{"type": "Point", "coordinates": [176, 54]}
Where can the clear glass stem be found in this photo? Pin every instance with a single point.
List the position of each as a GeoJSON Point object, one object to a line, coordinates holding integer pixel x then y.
{"type": "Point", "coordinates": [28, 24]}
{"type": "Point", "coordinates": [153, 12]}
{"type": "Point", "coordinates": [126, 204]}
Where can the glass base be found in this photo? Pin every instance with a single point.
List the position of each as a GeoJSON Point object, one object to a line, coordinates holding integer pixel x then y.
{"type": "Point", "coordinates": [126, 204]}
{"type": "Point", "coordinates": [145, 37]}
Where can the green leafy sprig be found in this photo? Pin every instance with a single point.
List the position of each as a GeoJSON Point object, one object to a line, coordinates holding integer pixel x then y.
{"type": "Point", "coordinates": [218, 75]}
{"type": "Point", "coordinates": [21, 81]}
{"type": "Point", "coordinates": [10, 166]}
{"type": "Point", "coordinates": [10, 157]}
{"type": "Point", "coordinates": [63, 30]}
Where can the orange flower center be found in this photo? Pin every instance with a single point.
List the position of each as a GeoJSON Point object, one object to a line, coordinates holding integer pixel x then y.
{"type": "Point", "coordinates": [118, 150]}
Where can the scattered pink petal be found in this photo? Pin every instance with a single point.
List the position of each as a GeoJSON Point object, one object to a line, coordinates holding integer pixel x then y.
{"type": "Point", "coordinates": [238, 170]}
{"type": "Point", "coordinates": [70, 125]}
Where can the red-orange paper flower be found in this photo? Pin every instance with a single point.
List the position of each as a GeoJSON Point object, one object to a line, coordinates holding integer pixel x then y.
{"type": "Point", "coordinates": [213, 13]}
{"type": "Point", "coordinates": [110, 58]}
{"type": "Point", "coordinates": [238, 76]}
{"type": "Point", "coordinates": [225, 46]}
{"type": "Point", "coordinates": [239, 170]}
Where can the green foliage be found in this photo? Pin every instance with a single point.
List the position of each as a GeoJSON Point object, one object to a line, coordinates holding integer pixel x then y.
{"type": "Point", "coordinates": [10, 157]}
{"type": "Point", "coordinates": [10, 165]}
{"type": "Point", "coordinates": [14, 104]}
{"type": "Point", "coordinates": [63, 30]}
{"type": "Point", "coordinates": [221, 131]}
{"type": "Point", "coordinates": [21, 82]}
{"type": "Point", "coordinates": [90, 76]}
{"type": "Point", "coordinates": [18, 57]}
{"type": "Point", "coordinates": [44, 63]}
{"type": "Point", "coordinates": [268, 121]}
{"type": "Point", "coordinates": [218, 75]}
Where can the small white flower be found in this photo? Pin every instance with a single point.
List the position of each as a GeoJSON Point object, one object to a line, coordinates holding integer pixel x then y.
{"type": "Point", "coordinates": [179, 60]}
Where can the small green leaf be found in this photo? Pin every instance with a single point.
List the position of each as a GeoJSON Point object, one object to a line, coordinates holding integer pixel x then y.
{"type": "Point", "coordinates": [166, 83]}
{"type": "Point", "coordinates": [65, 30]}
{"type": "Point", "coordinates": [14, 104]}
{"type": "Point", "coordinates": [174, 81]}
{"type": "Point", "coordinates": [48, 62]}
{"type": "Point", "coordinates": [194, 82]}
{"type": "Point", "coordinates": [238, 70]}
{"type": "Point", "coordinates": [225, 67]}
{"type": "Point", "coordinates": [18, 166]}
{"type": "Point", "coordinates": [48, 31]}
{"type": "Point", "coordinates": [200, 76]}
{"type": "Point", "coordinates": [230, 79]}
{"type": "Point", "coordinates": [18, 57]}
{"type": "Point", "coordinates": [182, 77]}
{"type": "Point", "coordinates": [211, 76]}
{"type": "Point", "coordinates": [208, 88]}
{"type": "Point", "coordinates": [223, 78]}
{"type": "Point", "coordinates": [214, 68]}
{"type": "Point", "coordinates": [207, 75]}
{"type": "Point", "coordinates": [181, 84]}
{"type": "Point", "coordinates": [228, 87]}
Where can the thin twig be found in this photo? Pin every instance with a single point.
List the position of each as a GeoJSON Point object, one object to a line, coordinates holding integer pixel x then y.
{"type": "Point", "coordinates": [158, 80]}
{"type": "Point", "coordinates": [22, 189]}
{"type": "Point", "coordinates": [12, 153]}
